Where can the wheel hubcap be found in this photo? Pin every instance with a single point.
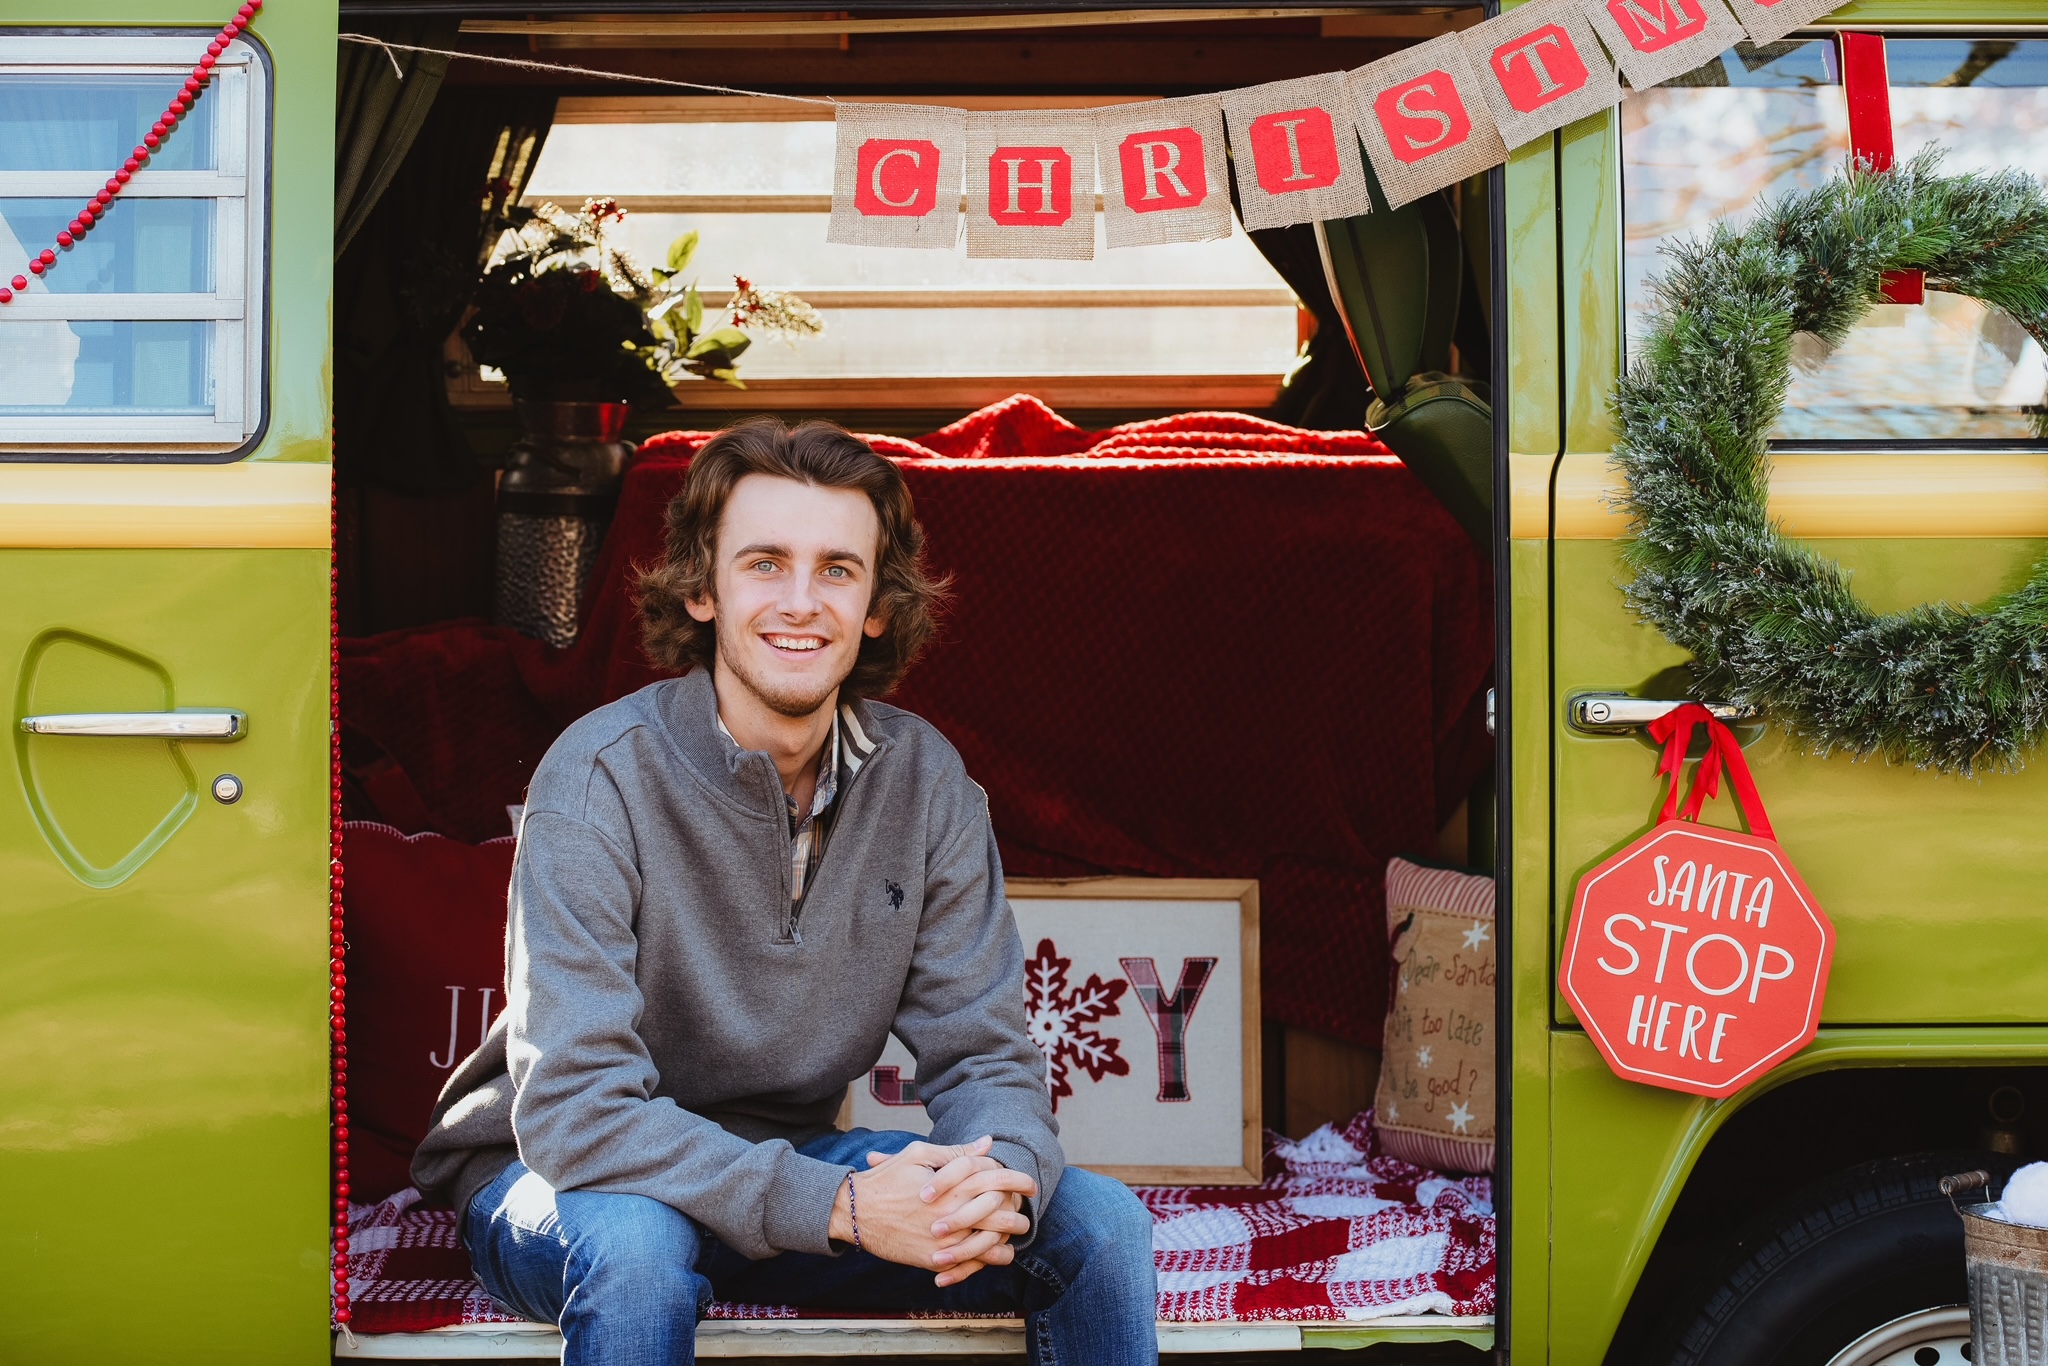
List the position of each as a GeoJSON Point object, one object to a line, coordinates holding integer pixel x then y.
{"type": "Point", "coordinates": [1925, 1337]}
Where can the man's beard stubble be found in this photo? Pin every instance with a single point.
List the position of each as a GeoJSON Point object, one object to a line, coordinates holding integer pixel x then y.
{"type": "Point", "coordinates": [795, 706]}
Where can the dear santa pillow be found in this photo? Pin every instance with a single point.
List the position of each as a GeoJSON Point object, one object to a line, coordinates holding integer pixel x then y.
{"type": "Point", "coordinates": [425, 920]}
{"type": "Point", "coordinates": [1435, 1103]}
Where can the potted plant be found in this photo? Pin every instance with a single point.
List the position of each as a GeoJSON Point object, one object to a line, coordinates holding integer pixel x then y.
{"type": "Point", "coordinates": [580, 332]}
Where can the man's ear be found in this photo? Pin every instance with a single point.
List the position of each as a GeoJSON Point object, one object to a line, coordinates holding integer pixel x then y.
{"type": "Point", "coordinates": [704, 609]}
{"type": "Point", "coordinates": [873, 627]}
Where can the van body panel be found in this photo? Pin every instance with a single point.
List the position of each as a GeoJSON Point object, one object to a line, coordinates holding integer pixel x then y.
{"type": "Point", "coordinates": [163, 991]}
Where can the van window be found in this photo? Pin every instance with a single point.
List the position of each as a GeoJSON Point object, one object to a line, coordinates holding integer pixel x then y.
{"type": "Point", "coordinates": [149, 332]}
{"type": "Point", "coordinates": [1766, 120]}
{"type": "Point", "coordinates": [1206, 324]}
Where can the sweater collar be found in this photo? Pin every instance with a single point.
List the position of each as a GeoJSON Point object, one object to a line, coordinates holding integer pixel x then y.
{"type": "Point", "coordinates": [693, 722]}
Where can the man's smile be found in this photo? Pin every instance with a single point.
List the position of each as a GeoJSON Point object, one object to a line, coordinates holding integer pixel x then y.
{"type": "Point", "coordinates": [794, 644]}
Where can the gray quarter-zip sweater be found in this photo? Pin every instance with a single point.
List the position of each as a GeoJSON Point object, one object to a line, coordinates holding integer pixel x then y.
{"type": "Point", "coordinates": [672, 1028]}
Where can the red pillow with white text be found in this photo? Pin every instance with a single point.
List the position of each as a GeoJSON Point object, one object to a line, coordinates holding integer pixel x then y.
{"type": "Point", "coordinates": [425, 921]}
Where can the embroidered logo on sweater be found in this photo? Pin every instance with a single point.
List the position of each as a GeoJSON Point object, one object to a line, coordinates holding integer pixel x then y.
{"type": "Point", "coordinates": [895, 896]}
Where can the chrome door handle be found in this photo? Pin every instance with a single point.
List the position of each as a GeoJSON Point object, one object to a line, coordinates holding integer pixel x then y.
{"type": "Point", "coordinates": [195, 724]}
{"type": "Point", "coordinates": [1615, 713]}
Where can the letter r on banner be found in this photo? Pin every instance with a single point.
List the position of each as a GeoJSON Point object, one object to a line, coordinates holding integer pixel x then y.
{"type": "Point", "coordinates": [1294, 150]}
{"type": "Point", "coordinates": [898, 178]}
{"type": "Point", "coordinates": [1163, 170]}
{"type": "Point", "coordinates": [1030, 186]}
{"type": "Point", "coordinates": [1423, 116]}
{"type": "Point", "coordinates": [1539, 67]}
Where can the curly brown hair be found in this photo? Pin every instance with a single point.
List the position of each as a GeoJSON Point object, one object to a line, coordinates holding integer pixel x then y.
{"type": "Point", "coordinates": [822, 453]}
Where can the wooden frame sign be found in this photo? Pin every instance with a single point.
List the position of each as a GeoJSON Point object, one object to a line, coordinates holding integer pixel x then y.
{"type": "Point", "coordinates": [1143, 994]}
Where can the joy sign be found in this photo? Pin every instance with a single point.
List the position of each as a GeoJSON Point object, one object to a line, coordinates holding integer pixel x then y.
{"type": "Point", "coordinates": [1697, 959]}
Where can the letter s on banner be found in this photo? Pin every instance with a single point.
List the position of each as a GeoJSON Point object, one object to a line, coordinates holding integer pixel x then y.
{"type": "Point", "coordinates": [896, 176]}
{"type": "Point", "coordinates": [1424, 122]}
{"type": "Point", "coordinates": [1539, 68]}
{"type": "Point", "coordinates": [1654, 40]}
{"type": "Point", "coordinates": [1164, 177]}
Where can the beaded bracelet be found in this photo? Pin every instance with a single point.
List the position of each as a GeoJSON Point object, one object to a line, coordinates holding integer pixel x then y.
{"type": "Point", "coordinates": [853, 1209]}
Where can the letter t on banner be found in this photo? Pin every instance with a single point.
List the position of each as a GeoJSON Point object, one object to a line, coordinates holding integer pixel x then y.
{"type": "Point", "coordinates": [1163, 171]}
{"type": "Point", "coordinates": [1031, 184]}
{"type": "Point", "coordinates": [1540, 68]}
{"type": "Point", "coordinates": [896, 176]}
{"type": "Point", "coordinates": [1424, 120]}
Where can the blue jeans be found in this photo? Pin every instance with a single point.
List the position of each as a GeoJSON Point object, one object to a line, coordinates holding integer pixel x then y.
{"type": "Point", "coordinates": [626, 1277]}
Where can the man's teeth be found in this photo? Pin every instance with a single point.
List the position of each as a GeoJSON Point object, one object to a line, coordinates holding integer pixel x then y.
{"type": "Point", "coordinates": [796, 643]}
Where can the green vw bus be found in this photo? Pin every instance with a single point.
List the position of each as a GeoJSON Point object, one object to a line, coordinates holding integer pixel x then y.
{"type": "Point", "coordinates": [242, 446]}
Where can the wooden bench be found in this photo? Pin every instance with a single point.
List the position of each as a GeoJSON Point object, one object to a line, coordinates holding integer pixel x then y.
{"type": "Point", "coordinates": [911, 1337]}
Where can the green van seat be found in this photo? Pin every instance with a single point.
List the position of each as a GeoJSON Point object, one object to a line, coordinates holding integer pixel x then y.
{"type": "Point", "coordinates": [1396, 276]}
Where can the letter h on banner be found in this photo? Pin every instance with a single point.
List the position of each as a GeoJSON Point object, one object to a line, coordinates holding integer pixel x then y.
{"type": "Point", "coordinates": [1425, 123]}
{"type": "Point", "coordinates": [896, 176]}
{"type": "Point", "coordinates": [1163, 171]}
{"type": "Point", "coordinates": [1031, 184]}
{"type": "Point", "coordinates": [1540, 67]}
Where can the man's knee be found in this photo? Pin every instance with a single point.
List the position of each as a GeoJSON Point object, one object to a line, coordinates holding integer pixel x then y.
{"type": "Point", "coordinates": [633, 1248]}
{"type": "Point", "coordinates": [1099, 1218]}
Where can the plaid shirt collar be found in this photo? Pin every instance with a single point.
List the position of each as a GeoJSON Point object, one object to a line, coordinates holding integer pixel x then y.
{"type": "Point", "coordinates": [842, 757]}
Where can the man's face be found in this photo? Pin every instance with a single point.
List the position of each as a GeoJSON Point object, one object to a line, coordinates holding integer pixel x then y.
{"type": "Point", "coordinates": [793, 578]}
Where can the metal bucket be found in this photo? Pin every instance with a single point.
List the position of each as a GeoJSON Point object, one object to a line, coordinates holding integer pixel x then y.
{"type": "Point", "coordinates": [2008, 1266]}
{"type": "Point", "coordinates": [555, 502]}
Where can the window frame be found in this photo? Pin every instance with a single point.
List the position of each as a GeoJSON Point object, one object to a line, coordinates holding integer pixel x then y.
{"type": "Point", "coordinates": [239, 187]}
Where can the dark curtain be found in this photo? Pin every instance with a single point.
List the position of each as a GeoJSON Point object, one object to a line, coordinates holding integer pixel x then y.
{"type": "Point", "coordinates": [1327, 391]}
{"type": "Point", "coordinates": [404, 282]}
{"type": "Point", "coordinates": [381, 98]}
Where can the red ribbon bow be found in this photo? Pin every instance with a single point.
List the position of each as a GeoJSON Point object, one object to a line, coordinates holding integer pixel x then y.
{"type": "Point", "coordinates": [1674, 730]}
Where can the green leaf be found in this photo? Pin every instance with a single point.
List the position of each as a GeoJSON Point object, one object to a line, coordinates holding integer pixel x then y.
{"type": "Point", "coordinates": [693, 310]}
{"type": "Point", "coordinates": [680, 251]}
{"type": "Point", "coordinates": [726, 342]}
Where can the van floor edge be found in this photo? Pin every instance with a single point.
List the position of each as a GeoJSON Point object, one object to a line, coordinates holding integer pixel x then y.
{"type": "Point", "coordinates": [911, 1337]}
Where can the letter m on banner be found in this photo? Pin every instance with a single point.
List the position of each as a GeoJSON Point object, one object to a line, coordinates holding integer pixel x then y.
{"type": "Point", "coordinates": [896, 176]}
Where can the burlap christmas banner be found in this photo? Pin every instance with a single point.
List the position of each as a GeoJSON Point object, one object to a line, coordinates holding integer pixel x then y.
{"type": "Point", "coordinates": [896, 176]}
{"type": "Point", "coordinates": [1164, 171]}
{"type": "Point", "coordinates": [1424, 120]}
{"type": "Point", "coordinates": [1766, 21]}
{"type": "Point", "coordinates": [1031, 184]}
{"type": "Point", "coordinates": [1295, 152]}
{"type": "Point", "coordinates": [1654, 40]}
{"type": "Point", "coordinates": [1541, 67]}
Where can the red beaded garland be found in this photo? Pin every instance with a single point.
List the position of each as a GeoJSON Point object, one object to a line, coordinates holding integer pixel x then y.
{"type": "Point", "coordinates": [179, 105]}
{"type": "Point", "coordinates": [337, 967]}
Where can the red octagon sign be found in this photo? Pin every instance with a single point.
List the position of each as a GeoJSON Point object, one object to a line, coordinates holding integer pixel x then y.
{"type": "Point", "coordinates": [1697, 959]}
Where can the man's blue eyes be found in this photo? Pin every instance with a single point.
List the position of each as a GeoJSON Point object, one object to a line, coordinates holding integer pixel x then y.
{"type": "Point", "coordinates": [769, 567]}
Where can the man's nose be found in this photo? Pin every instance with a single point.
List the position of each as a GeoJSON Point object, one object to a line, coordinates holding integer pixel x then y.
{"type": "Point", "coordinates": [799, 596]}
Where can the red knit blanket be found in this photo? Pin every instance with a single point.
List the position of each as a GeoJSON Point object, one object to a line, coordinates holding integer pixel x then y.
{"type": "Point", "coordinates": [1337, 1230]}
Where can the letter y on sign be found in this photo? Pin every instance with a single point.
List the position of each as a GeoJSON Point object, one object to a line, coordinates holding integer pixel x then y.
{"type": "Point", "coordinates": [1540, 67]}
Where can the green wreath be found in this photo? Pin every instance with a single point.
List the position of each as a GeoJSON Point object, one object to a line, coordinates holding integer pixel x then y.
{"type": "Point", "coordinates": [1770, 624]}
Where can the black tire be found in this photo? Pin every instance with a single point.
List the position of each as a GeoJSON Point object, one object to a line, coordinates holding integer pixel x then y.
{"type": "Point", "coordinates": [1838, 1258]}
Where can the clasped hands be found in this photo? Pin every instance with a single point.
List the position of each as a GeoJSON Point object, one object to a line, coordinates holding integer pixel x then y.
{"type": "Point", "coordinates": [951, 1209]}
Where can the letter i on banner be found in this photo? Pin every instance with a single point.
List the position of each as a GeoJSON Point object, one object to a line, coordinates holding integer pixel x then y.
{"type": "Point", "coordinates": [1031, 184]}
{"type": "Point", "coordinates": [896, 176]}
{"type": "Point", "coordinates": [1163, 168]}
{"type": "Point", "coordinates": [1654, 40]}
{"type": "Point", "coordinates": [1425, 122]}
{"type": "Point", "coordinates": [1294, 152]}
{"type": "Point", "coordinates": [1540, 67]}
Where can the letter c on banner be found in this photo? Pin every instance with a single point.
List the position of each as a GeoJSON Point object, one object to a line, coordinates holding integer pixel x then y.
{"type": "Point", "coordinates": [1423, 117]}
{"type": "Point", "coordinates": [898, 178]}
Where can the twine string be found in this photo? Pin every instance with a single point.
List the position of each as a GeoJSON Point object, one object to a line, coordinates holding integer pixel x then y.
{"type": "Point", "coordinates": [561, 69]}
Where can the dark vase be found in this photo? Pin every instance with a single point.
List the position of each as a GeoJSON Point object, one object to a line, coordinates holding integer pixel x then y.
{"type": "Point", "coordinates": [555, 501]}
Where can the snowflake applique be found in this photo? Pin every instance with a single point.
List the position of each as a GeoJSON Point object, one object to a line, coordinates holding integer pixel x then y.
{"type": "Point", "coordinates": [1460, 1118]}
{"type": "Point", "coordinates": [1055, 1017]}
{"type": "Point", "coordinates": [1477, 935]}
{"type": "Point", "coordinates": [1423, 1056]}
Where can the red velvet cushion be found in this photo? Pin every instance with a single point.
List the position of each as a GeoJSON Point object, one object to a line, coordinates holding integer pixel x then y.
{"type": "Point", "coordinates": [425, 920]}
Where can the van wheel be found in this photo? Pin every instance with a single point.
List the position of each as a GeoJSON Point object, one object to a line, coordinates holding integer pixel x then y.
{"type": "Point", "coordinates": [1863, 1268]}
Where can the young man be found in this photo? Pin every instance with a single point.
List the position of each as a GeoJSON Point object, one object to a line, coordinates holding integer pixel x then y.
{"type": "Point", "coordinates": [730, 888]}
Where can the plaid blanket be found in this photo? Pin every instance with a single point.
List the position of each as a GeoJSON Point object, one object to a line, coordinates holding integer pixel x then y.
{"type": "Point", "coordinates": [1337, 1230]}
